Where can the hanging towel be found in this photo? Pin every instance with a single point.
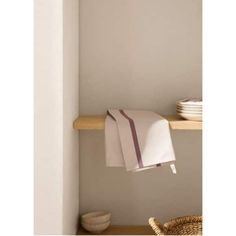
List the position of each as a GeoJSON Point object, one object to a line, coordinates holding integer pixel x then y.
{"type": "Point", "coordinates": [138, 140]}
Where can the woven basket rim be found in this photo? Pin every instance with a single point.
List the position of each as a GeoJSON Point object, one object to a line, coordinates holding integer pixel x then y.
{"type": "Point", "coordinates": [182, 220]}
{"type": "Point", "coordinates": [194, 221]}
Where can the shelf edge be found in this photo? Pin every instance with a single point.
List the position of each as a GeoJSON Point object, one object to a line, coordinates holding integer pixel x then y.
{"type": "Point", "coordinates": [98, 123]}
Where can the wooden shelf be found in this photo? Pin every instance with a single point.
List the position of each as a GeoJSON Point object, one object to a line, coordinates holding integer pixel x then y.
{"type": "Point", "coordinates": [89, 122]}
{"type": "Point", "coordinates": [123, 230]}
{"type": "Point", "coordinates": [98, 123]}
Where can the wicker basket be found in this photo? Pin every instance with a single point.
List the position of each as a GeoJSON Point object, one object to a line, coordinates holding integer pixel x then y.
{"type": "Point", "coordinates": [187, 225]}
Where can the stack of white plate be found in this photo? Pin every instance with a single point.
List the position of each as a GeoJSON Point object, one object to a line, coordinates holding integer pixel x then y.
{"type": "Point", "coordinates": [190, 109]}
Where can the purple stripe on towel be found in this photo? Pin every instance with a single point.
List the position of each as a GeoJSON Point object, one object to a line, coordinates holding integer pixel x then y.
{"type": "Point", "coordinates": [135, 138]}
{"type": "Point", "coordinates": [109, 114]}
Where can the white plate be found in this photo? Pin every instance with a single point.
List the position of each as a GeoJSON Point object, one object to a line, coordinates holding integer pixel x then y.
{"type": "Point", "coordinates": [189, 108]}
{"type": "Point", "coordinates": [189, 112]}
{"type": "Point", "coordinates": [190, 101]}
{"type": "Point", "coordinates": [191, 117]}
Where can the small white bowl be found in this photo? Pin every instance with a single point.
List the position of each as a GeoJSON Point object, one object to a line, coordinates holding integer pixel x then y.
{"type": "Point", "coordinates": [96, 228]}
{"type": "Point", "coordinates": [97, 217]}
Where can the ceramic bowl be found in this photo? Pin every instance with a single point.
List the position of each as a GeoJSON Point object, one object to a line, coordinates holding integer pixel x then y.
{"type": "Point", "coordinates": [96, 228]}
{"type": "Point", "coordinates": [97, 217]}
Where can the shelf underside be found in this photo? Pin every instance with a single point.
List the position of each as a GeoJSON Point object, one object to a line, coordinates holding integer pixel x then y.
{"type": "Point", "coordinates": [123, 230]}
{"type": "Point", "coordinates": [98, 123]}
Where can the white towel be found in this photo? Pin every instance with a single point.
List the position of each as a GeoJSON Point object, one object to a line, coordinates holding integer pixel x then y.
{"type": "Point", "coordinates": [138, 140]}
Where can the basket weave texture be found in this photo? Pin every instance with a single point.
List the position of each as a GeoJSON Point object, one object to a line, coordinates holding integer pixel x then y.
{"type": "Point", "coordinates": [187, 225]}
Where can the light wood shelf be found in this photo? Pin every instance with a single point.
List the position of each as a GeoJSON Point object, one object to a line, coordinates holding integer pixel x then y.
{"type": "Point", "coordinates": [123, 230]}
{"type": "Point", "coordinates": [98, 123]}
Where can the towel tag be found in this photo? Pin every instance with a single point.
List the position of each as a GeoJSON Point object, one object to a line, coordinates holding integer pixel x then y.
{"type": "Point", "coordinates": [172, 166]}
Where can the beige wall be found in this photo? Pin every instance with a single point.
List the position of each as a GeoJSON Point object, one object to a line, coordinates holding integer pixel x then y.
{"type": "Point", "coordinates": [56, 106]}
{"type": "Point", "coordinates": [142, 54]}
